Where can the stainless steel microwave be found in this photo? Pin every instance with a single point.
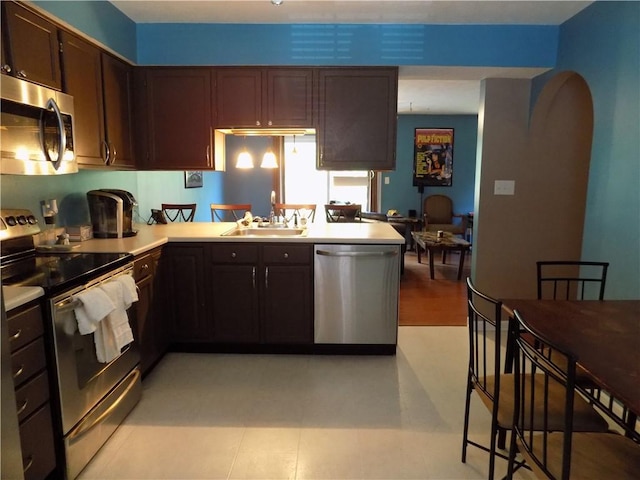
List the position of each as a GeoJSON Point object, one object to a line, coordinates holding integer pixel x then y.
{"type": "Point", "coordinates": [36, 129]}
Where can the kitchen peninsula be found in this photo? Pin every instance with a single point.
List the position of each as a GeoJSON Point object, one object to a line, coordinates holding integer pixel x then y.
{"type": "Point", "coordinates": [203, 290]}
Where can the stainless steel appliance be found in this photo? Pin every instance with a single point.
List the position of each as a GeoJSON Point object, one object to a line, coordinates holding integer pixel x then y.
{"type": "Point", "coordinates": [93, 397]}
{"type": "Point", "coordinates": [356, 294]}
{"type": "Point", "coordinates": [37, 129]}
{"type": "Point", "coordinates": [111, 213]}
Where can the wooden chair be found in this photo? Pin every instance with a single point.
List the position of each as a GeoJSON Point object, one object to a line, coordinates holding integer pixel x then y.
{"type": "Point", "coordinates": [571, 280]}
{"type": "Point", "coordinates": [288, 210]}
{"type": "Point", "coordinates": [342, 213]}
{"type": "Point", "coordinates": [179, 212]}
{"type": "Point", "coordinates": [438, 214]}
{"type": "Point", "coordinates": [228, 212]}
{"type": "Point", "coordinates": [566, 452]}
{"type": "Point", "coordinates": [495, 389]}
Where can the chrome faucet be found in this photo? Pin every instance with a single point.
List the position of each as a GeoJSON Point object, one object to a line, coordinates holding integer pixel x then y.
{"type": "Point", "coordinates": [272, 214]}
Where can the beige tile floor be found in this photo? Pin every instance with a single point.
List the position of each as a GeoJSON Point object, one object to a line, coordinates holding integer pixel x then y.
{"type": "Point", "coordinates": [210, 416]}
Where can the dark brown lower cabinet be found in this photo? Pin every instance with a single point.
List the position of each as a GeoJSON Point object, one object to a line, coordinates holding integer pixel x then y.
{"type": "Point", "coordinates": [149, 329]}
{"type": "Point", "coordinates": [184, 293]}
{"type": "Point", "coordinates": [30, 377]}
{"type": "Point", "coordinates": [262, 293]}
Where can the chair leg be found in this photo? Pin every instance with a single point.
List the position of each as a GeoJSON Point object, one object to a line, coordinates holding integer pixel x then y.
{"type": "Point", "coordinates": [465, 431]}
{"type": "Point", "coordinates": [492, 447]}
{"type": "Point", "coordinates": [502, 438]}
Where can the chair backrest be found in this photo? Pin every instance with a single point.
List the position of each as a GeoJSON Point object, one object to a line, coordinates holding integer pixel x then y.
{"type": "Point", "coordinates": [288, 210]}
{"type": "Point", "coordinates": [534, 371]}
{"type": "Point", "coordinates": [342, 213]}
{"type": "Point", "coordinates": [438, 209]}
{"type": "Point", "coordinates": [228, 212]}
{"type": "Point", "coordinates": [179, 212]}
{"type": "Point", "coordinates": [485, 354]}
{"type": "Point", "coordinates": [571, 280]}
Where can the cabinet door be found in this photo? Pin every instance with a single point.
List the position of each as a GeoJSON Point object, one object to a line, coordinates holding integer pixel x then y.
{"type": "Point", "coordinates": [234, 302]}
{"type": "Point", "coordinates": [288, 307]}
{"type": "Point", "coordinates": [289, 97]}
{"type": "Point", "coordinates": [183, 278]}
{"type": "Point", "coordinates": [179, 118]}
{"type": "Point", "coordinates": [33, 46]}
{"type": "Point", "coordinates": [83, 79]}
{"type": "Point", "coordinates": [239, 97]}
{"type": "Point", "coordinates": [357, 118]}
{"type": "Point", "coordinates": [117, 80]}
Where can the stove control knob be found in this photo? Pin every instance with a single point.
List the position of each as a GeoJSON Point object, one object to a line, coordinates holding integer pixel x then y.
{"type": "Point", "coordinates": [31, 220]}
{"type": "Point", "coordinates": [22, 220]}
{"type": "Point", "coordinates": [11, 221]}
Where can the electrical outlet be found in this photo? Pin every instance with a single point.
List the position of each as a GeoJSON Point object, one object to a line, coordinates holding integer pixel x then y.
{"type": "Point", "coordinates": [387, 180]}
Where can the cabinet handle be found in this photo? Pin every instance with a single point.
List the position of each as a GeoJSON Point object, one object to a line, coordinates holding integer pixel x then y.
{"type": "Point", "coordinates": [6, 68]}
{"type": "Point", "coordinates": [16, 335]}
{"type": "Point", "coordinates": [209, 156]}
{"type": "Point", "coordinates": [107, 152]}
{"type": "Point", "coordinates": [23, 406]}
{"type": "Point", "coordinates": [286, 255]}
{"type": "Point", "coordinates": [270, 122]}
{"type": "Point", "coordinates": [144, 267]}
{"type": "Point", "coordinates": [22, 74]}
{"type": "Point", "coordinates": [115, 155]}
{"type": "Point", "coordinates": [233, 255]}
{"type": "Point", "coordinates": [28, 465]}
{"type": "Point", "coordinates": [257, 123]}
{"type": "Point", "coordinates": [19, 372]}
{"type": "Point", "coordinates": [266, 278]}
{"type": "Point", "coordinates": [253, 277]}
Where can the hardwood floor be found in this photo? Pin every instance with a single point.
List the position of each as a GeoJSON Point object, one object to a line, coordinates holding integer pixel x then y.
{"type": "Point", "coordinates": [437, 302]}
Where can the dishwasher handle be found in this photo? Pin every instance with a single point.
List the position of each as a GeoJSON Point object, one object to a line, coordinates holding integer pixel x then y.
{"type": "Point", "coordinates": [386, 253]}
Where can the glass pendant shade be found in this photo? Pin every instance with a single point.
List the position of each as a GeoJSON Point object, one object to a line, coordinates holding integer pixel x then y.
{"type": "Point", "coordinates": [244, 160]}
{"type": "Point", "coordinates": [269, 160]}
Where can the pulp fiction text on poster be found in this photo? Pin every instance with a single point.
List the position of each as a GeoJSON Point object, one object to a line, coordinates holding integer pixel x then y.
{"type": "Point", "coordinates": [433, 157]}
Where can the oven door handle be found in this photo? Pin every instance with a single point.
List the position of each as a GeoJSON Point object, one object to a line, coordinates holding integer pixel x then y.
{"type": "Point", "coordinates": [66, 305]}
{"type": "Point", "coordinates": [88, 423]}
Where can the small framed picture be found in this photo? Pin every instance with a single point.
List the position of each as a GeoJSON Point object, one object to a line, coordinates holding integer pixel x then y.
{"type": "Point", "coordinates": [193, 179]}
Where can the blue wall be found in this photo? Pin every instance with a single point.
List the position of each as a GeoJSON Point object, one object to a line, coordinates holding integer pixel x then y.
{"type": "Point", "coordinates": [602, 44]}
{"type": "Point", "coordinates": [401, 195]}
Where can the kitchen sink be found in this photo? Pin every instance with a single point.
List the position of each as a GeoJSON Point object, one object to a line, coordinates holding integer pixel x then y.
{"type": "Point", "coordinates": [270, 231]}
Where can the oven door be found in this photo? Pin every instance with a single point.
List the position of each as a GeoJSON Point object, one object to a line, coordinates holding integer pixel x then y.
{"type": "Point", "coordinates": [82, 380]}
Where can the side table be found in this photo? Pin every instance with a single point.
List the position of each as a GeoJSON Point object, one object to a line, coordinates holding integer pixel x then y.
{"type": "Point", "coordinates": [429, 242]}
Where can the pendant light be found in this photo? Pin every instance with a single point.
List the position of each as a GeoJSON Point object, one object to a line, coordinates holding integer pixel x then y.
{"type": "Point", "coordinates": [244, 160]}
{"type": "Point", "coordinates": [269, 160]}
{"type": "Point", "coordinates": [295, 150]}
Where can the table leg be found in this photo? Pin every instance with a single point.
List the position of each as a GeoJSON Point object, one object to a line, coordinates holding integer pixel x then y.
{"type": "Point", "coordinates": [419, 250]}
{"type": "Point", "coordinates": [461, 264]}
{"type": "Point", "coordinates": [430, 262]}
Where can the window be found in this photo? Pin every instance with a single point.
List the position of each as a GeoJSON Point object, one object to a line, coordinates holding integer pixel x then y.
{"type": "Point", "coordinates": [304, 184]}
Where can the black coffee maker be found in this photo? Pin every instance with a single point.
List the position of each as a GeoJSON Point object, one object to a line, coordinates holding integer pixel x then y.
{"type": "Point", "coordinates": [111, 213]}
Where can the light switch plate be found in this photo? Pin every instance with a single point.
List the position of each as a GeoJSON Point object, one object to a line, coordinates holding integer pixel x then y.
{"type": "Point", "coordinates": [387, 180]}
{"type": "Point", "coordinates": [504, 187]}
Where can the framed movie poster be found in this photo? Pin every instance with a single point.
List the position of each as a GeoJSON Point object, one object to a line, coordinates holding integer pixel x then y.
{"type": "Point", "coordinates": [433, 157]}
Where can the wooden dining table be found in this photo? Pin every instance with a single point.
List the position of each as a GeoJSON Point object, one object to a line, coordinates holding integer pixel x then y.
{"type": "Point", "coordinates": [604, 336]}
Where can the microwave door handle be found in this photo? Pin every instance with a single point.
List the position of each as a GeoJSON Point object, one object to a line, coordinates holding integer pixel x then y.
{"type": "Point", "coordinates": [53, 106]}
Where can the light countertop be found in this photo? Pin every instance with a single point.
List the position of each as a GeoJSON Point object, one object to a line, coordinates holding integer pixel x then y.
{"type": "Point", "coordinates": [151, 236]}
{"type": "Point", "coordinates": [17, 296]}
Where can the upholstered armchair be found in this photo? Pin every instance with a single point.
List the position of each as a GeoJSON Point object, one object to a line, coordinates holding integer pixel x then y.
{"type": "Point", "coordinates": [438, 215]}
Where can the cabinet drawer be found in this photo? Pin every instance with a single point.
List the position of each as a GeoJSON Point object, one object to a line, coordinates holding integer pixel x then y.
{"type": "Point", "coordinates": [32, 395]}
{"type": "Point", "coordinates": [27, 361]}
{"type": "Point", "coordinates": [36, 439]}
{"type": "Point", "coordinates": [24, 327]}
{"type": "Point", "coordinates": [287, 254]}
{"type": "Point", "coordinates": [143, 267]}
{"type": "Point", "coordinates": [234, 253]}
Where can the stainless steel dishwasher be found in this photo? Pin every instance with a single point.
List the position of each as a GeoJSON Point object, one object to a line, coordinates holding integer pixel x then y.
{"type": "Point", "coordinates": [356, 294]}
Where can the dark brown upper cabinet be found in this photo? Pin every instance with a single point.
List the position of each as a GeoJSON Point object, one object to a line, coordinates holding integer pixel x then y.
{"type": "Point", "coordinates": [177, 115]}
{"type": "Point", "coordinates": [117, 86]}
{"type": "Point", "coordinates": [357, 117]}
{"type": "Point", "coordinates": [264, 97]}
{"type": "Point", "coordinates": [32, 49]}
{"type": "Point", "coordinates": [101, 86]}
{"type": "Point", "coordinates": [82, 67]}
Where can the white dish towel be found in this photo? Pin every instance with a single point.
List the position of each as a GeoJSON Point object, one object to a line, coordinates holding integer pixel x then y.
{"type": "Point", "coordinates": [94, 305]}
{"type": "Point", "coordinates": [115, 331]}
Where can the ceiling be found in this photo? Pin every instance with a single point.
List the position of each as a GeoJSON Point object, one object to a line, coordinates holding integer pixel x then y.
{"type": "Point", "coordinates": [421, 89]}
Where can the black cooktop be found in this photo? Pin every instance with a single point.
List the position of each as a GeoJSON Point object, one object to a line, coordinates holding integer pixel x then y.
{"type": "Point", "coordinates": [58, 272]}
